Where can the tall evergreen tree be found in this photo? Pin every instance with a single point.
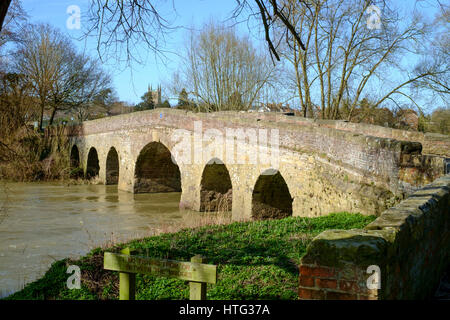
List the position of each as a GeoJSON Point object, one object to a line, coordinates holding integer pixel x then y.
{"type": "Point", "coordinates": [147, 102]}
{"type": "Point", "coordinates": [183, 99]}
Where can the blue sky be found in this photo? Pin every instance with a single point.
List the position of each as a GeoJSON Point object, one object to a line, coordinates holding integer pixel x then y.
{"type": "Point", "coordinates": [131, 83]}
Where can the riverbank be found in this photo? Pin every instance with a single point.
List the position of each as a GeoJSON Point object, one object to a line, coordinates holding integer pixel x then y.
{"type": "Point", "coordinates": [27, 155]}
{"type": "Point", "coordinates": [43, 222]}
{"type": "Point", "coordinates": [256, 260]}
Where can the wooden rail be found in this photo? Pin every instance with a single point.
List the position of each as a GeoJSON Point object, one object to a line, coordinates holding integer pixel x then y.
{"type": "Point", "coordinates": [197, 273]}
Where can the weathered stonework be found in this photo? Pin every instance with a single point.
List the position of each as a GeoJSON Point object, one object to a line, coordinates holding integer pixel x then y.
{"type": "Point", "coordinates": [325, 169]}
{"type": "Point", "coordinates": [410, 243]}
{"type": "Point", "coordinates": [216, 189]}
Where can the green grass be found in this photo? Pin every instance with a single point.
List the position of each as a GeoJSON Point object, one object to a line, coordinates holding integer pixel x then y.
{"type": "Point", "coordinates": [256, 260]}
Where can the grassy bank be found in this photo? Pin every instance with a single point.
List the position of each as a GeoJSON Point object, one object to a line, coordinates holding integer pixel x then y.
{"type": "Point", "coordinates": [256, 260]}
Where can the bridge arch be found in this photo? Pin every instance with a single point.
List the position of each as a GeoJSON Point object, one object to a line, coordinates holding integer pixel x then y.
{"type": "Point", "coordinates": [271, 198]}
{"type": "Point", "coordinates": [75, 168]}
{"type": "Point", "coordinates": [74, 157]}
{"type": "Point", "coordinates": [216, 190]}
{"type": "Point", "coordinates": [112, 166]}
{"type": "Point", "coordinates": [92, 166]}
{"type": "Point", "coordinates": [156, 170]}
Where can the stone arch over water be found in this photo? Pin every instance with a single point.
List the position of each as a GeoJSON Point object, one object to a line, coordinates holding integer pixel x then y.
{"type": "Point", "coordinates": [75, 168]}
{"type": "Point", "coordinates": [93, 166]}
{"type": "Point", "coordinates": [271, 198]}
{"type": "Point", "coordinates": [216, 191]}
{"type": "Point", "coordinates": [156, 171]}
{"type": "Point", "coordinates": [74, 157]}
{"type": "Point", "coordinates": [112, 167]}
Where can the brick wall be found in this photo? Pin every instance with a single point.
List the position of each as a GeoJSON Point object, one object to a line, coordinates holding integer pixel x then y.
{"type": "Point", "coordinates": [333, 283]}
{"type": "Point", "coordinates": [410, 243]}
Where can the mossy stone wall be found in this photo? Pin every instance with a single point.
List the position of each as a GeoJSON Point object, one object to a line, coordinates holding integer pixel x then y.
{"type": "Point", "coordinates": [410, 243]}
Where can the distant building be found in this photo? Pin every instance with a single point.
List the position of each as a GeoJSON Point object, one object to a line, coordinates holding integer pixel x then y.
{"type": "Point", "coordinates": [156, 95]}
{"type": "Point", "coordinates": [259, 109]}
{"type": "Point", "coordinates": [271, 107]}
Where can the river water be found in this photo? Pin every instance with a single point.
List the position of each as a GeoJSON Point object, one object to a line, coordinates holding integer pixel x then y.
{"type": "Point", "coordinates": [44, 222]}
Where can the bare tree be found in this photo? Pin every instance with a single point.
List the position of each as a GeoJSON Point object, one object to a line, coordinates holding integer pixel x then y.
{"type": "Point", "coordinates": [273, 13]}
{"type": "Point", "coordinates": [67, 80]}
{"type": "Point", "coordinates": [224, 71]}
{"type": "Point", "coordinates": [40, 57]}
{"type": "Point", "coordinates": [16, 103]}
{"type": "Point", "coordinates": [62, 79]}
{"type": "Point", "coordinates": [15, 17]}
{"type": "Point", "coordinates": [17, 109]}
{"type": "Point", "coordinates": [436, 57]}
{"type": "Point", "coordinates": [343, 57]}
{"type": "Point", "coordinates": [11, 30]}
{"type": "Point", "coordinates": [4, 5]}
{"type": "Point", "coordinates": [93, 90]}
{"type": "Point", "coordinates": [122, 25]}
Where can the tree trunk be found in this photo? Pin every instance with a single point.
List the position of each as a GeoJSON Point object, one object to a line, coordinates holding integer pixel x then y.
{"type": "Point", "coordinates": [41, 118]}
{"type": "Point", "coordinates": [52, 117]}
{"type": "Point", "coordinates": [4, 5]}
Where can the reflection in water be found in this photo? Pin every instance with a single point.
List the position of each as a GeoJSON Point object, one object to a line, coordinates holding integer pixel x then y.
{"type": "Point", "coordinates": [48, 221]}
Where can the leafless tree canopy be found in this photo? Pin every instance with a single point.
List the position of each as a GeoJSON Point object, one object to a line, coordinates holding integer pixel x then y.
{"type": "Point", "coordinates": [121, 25]}
{"type": "Point", "coordinates": [61, 78]}
{"type": "Point", "coordinates": [336, 59]}
{"type": "Point", "coordinates": [343, 58]}
{"type": "Point", "coordinates": [41, 57]}
{"type": "Point", "coordinates": [436, 57]}
{"type": "Point", "coordinates": [12, 22]}
{"type": "Point", "coordinates": [4, 5]}
{"type": "Point", "coordinates": [223, 71]}
{"type": "Point", "coordinates": [272, 13]}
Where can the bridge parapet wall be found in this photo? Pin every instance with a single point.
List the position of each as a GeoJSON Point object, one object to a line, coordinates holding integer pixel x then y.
{"type": "Point", "coordinates": [326, 169]}
{"type": "Point", "coordinates": [378, 159]}
{"type": "Point", "coordinates": [409, 243]}
{"type": "Point", "coordinates": [432, 143]}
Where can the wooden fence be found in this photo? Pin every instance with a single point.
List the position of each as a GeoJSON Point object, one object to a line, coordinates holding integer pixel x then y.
{"type": "Point", "coordinates": [197, 273]}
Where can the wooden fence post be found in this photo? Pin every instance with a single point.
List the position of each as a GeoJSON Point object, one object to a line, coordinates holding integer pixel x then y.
{"type": "Point", "coordinates": [127, 282]}
{"type": "Point", "coordinates": [196, 272]}
{"type": "Point", "coordinates": [197, 290]}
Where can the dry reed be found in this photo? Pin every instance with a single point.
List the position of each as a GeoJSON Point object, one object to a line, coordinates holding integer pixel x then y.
{"type": "Point", "coordinates": [190, 220]}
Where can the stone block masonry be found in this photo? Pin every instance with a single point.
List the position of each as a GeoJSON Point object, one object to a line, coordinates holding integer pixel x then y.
{"type": "Point", "coordinates": [324, 169]}
{"type": "Point", "coordinates": [409, 243]}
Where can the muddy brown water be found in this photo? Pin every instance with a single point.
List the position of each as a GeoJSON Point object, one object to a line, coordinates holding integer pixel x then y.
{"type": "Point", "coordinates": [44, 222]}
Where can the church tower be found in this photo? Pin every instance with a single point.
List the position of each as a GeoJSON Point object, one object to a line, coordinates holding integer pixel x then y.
{"type": "Point", "coordinates": [156, 95]}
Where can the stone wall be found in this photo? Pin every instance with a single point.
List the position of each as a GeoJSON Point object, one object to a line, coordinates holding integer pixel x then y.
{"type": "Point", "coordinates": [432, 143]}
{"type": "Point", "coordinates": [325, 169]}
{"type": "Point", "coordinates": [216, 188]}
{"type": "Point", "coordinates": [410, 243]}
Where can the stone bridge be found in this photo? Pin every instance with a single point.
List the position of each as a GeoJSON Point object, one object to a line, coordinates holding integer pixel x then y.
{"type": "Point", "coordinates": [258, 165]}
